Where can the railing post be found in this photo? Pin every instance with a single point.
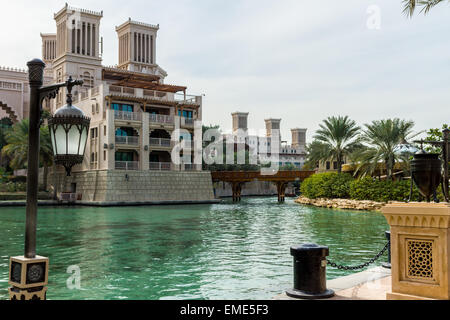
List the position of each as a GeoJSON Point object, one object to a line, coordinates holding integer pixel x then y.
{"type": "Point", "coordinates": [387, 265]}
{"type": "Point", "coordinates": [310, 281]}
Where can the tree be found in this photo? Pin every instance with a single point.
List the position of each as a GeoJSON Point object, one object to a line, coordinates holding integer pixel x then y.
{"type": "Point", "coordinates": [17, 147]}
{"type": "Point", "coordinates": [335, 140]}
{"type": "Point", "coordinates": [383, 138]}
{"type": "Point", "coordinates": [435, 135]}
{"type": "Point", "coordinates": [409, 6]}
{"type": "Point", "coordinates": [5, 125]}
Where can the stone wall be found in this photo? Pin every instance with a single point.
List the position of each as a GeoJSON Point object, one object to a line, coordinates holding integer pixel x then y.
{"type": "Point", "coordinates": [137, 186]}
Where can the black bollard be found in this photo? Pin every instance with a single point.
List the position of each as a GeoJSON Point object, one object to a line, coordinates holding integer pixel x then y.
{"type": "Point", "coordinates": [310, 277]}
{"type": "Point", "coordinates": [387, 265]}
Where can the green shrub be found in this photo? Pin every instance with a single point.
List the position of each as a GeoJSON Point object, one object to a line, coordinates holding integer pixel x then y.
{"type": "Point", "coordinates": [332, 185]}
{"type": "Point", "coordinates": [13, 187]}
{"type": "Point", "coordinates": [381, 191]}
{"type": "Point", "coordinates": [327, 185]}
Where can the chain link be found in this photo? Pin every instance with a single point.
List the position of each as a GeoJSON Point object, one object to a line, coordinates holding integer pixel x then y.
{"type": "Point", "coordinates": [362, 266]}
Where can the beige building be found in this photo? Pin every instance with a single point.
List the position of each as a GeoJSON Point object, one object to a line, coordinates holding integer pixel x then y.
{"type": "Point", "coordinates": [270, 146]}
{"type": "Point", "coordinates": [136, 118]}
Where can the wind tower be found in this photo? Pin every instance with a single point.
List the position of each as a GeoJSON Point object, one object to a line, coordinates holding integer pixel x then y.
{"type": "Point", "coordinates": [137, 47]}
{"type": "Point", "coordinates": [77, 48]}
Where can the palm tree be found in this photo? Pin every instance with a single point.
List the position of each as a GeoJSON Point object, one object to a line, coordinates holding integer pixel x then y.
{"type": "Point", "coordinates": [383, 138]}
{"type": "Point", "coordinates": [335, 140]}
{"type": "Point", "coordinates": [409, 6]}
{"type": "Point", "coordinates": [17, 147]}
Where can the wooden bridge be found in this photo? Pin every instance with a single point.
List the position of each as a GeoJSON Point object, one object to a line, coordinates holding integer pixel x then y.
{"type": "Point", "coordinates": [238, 178]}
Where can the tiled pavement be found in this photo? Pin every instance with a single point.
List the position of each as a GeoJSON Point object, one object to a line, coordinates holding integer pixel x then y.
{"type": "Point", "coordinates": [372, 284]}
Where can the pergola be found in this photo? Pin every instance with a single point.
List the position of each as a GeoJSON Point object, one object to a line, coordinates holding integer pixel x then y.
{"type": "Point", "coordinates": [132, 79]}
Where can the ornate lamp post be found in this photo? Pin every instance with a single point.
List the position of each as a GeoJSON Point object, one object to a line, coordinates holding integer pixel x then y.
{"type": "Point", "coordinates": [28, 274]}
{"type": "Point", "coordinates": [427, 171]}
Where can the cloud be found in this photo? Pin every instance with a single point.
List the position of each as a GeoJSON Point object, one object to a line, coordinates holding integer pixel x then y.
{"type": "Point", "coordinates": [292, 59]}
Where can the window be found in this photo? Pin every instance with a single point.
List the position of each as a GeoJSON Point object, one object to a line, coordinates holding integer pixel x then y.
{"type": "Point", "coordinates": [125, 132]}
{"type": "Point", "coordinates": [328, 165]}
{"type": "Point", "coordinates": [104, 155]}
{"type": "Point", "coordinates": [104, 130]}
{"type": "Point", "coordinates": [335, 165]}
{"type": "Point", "coordinates": [122, 107]}
{"type": "Point", "coordinates": [88, 80]}
{"type": "Point", "coordinates": [124, 156]}
{"type": "Point", "coordinates": [94, 133]}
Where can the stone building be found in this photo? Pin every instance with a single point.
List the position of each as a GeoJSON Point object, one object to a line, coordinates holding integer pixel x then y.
{"type": "Point", "coordinates": [271, 146]}
{"type": "Point", "coordinates": [136, 118]}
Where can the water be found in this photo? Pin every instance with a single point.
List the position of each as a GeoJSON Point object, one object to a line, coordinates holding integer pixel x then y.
{"type": "Point", "coordinates": [221, 251]}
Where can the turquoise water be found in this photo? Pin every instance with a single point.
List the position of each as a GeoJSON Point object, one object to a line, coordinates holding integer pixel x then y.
{"type": "Point", "coordinates": [221, 251]}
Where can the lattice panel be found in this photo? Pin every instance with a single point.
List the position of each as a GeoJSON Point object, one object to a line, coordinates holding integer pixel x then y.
{"type": "Point", "coordinates": [420, 259]}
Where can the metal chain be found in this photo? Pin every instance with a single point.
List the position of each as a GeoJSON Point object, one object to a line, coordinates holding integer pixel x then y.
{"type": "Point", "coordinates": [362, 266]}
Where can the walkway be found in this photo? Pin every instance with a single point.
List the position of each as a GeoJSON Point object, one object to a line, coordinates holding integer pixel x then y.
{"type": "Point", "coordinates": [372, 284]}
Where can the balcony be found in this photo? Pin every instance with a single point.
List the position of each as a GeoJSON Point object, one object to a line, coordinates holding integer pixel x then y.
{"type": "Point", "coordinates": [152, 94]}
{"type": "Point", "coordinates": [160, 166]}
{"type": "Point", "coordinates": [127, 116]}
{"type": "Point", "coordinates": [187, 122]}
{"type": "Point", "coordinates": [127, 165]}
{"type": "Point", "coordinates": [160, 142]}
{"type": "Point", "coordinates": [124, 91]}
{"type": "Point", "coordinates": [129, 141]}
{"type": "Point", "coordinates": [189, 167]}
{"type": "Point", "coordinates": [161, 119]}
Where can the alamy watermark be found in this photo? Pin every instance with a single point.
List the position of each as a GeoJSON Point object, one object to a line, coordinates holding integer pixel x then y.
{"type": "Point", "coordinates": [374, 18]}
{"type": "Point", "coordinates": [212, 147]}
{"type": "Point", "coordinates": [74, 281]}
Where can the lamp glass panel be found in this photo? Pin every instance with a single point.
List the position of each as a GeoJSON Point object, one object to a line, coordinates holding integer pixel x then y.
{"type": "Point", "coordinates": [60, 137]}
{"type": "Point", "coordinates": [73, 140]}
{"type": "Point", "coordinates": [83, 140]}
{"type": "Point", "coordinates": [52, 137]}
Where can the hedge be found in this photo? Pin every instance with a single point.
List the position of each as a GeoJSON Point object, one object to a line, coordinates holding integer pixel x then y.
{"type": "Point", "coordinates": [327, 185]}
{"type": "Point", "coordinates": [342, 186]}
{"type": "Point", "coordinates": [381, 190]}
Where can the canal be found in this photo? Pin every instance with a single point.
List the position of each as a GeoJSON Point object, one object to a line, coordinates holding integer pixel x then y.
{"type": "Point", "coordinates": [220, 251]}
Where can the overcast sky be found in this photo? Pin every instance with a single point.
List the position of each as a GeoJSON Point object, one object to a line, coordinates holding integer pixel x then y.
{"type": "Point", "coordinates": [297, 60]}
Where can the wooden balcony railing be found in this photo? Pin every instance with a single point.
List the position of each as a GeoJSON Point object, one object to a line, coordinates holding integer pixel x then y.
{"type": "Point", "coordinates": [131, 141]}
{"type": "Point", "coordinates": [189, 167]}
{"type": "Point", "coordinates": [127, 116]}
{"type": "Point", "coordinates": [161, 118]}
{"type": "Point", "coordinates": [159, 142]}
{"type": "Point", "coordinates": [127, 165]}
{"type": "Point", "coordinates": [160, 166]}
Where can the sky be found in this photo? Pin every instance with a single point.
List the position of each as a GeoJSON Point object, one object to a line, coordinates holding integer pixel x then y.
{"type": "Point", "coordinates": [301, 61]}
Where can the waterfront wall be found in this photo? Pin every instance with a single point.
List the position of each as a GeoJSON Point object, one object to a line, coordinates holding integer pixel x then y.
{"type": "Point", "coordinates": [136, 186]}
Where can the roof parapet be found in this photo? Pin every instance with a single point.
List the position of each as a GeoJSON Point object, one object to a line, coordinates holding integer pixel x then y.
{"type": "Point", "coordinates": [67, 7]}
{"type": "Point", "coordinates": [12, 69]}
{"type": "Point", "coordinates": [142, 24]}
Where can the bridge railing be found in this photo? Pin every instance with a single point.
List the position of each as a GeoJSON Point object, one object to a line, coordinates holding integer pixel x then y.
{"type": "Point", "coordinates": [252, 175]}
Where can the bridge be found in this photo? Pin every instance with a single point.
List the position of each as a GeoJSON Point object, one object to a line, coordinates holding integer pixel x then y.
{"type": "Point", "coordinates": [238, 178]}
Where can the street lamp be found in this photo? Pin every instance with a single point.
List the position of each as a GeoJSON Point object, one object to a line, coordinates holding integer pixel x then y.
{"type": "Point", "coordinates": [28, 274]}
